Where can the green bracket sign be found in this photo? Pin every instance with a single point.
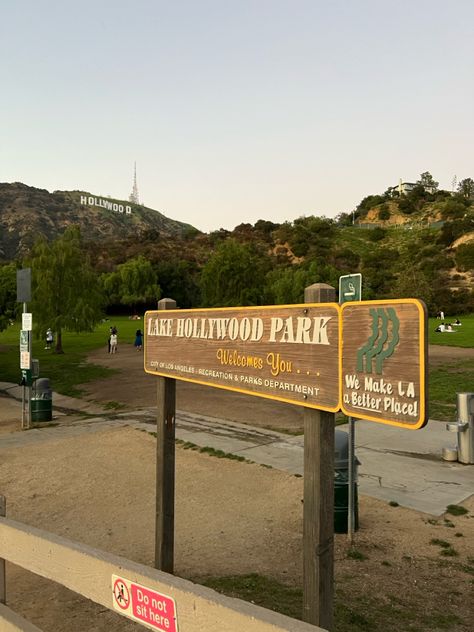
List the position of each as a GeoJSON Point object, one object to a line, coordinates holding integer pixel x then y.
{"type": "Point", "coordinates": [350, 288]}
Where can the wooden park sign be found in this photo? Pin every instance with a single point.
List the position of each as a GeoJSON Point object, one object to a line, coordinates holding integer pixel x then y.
{"type": "Point", "coordinates": [383, 361]}
{"type": "Point", "coordinates": [366, 358]}
{"type": "Point", "coordinates": [285, 353]}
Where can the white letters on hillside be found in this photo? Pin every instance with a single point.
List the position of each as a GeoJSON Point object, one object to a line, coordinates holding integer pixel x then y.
{"type": "Point", "coordinates": [111, 206]}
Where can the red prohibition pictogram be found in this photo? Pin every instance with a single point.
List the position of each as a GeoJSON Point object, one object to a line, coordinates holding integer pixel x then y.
{"type": "Point", "coordinates": [121, 594]}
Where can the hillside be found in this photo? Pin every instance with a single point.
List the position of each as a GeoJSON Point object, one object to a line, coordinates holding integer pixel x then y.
{"type": "Point", "coordinates": [27, 212]}
{"type": "Point", "coordinates": [415, 245]}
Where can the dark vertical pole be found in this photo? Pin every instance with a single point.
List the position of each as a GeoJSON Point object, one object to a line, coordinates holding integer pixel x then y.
{"type": "Point", "coordinates": [351, 482]}
{"type": "Point", "coordinates": [3, 584]}
{"type": "Point", "coordinates": [318, 513]}
{"type": "Point", "coordinates": [165, 466]}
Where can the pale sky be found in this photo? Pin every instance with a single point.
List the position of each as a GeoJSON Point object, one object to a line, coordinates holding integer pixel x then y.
{"type": "Point", "coordinates": [236, 110]}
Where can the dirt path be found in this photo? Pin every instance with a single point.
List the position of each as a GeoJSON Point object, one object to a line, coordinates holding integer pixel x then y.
{"type": "Point", "coordinates": [133, 387]}
{"type": "Point", "coordinates": [231, 518]}
{"type": "Point", "coordinates": [439, 354]}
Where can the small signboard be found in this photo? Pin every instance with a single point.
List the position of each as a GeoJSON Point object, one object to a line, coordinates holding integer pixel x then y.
{"type": "Point", "coordinates": [25, 360]}
{"type": "Point", "coordinates": [286, 353]}
{"type": "Point", "coordinates": [27, 321]}
{"type": "Point", "coordinates": [23, 285]}
{"type": "Point", "coordinates": [24, 340]}
{"type": "Point", "coordinates": [350, 288]}
{"type": "Point", "coordinates": [143, 604]}
{"type": "Point", "coordinates": [384, 362]}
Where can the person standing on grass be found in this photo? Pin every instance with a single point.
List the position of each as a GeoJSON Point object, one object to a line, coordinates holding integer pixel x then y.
{"type": "Point", "coordinates": [49, 338]}
{"type": "Point", "coordinates": [138, 340]}
{"type": "Point", "coordinates": [113, 343]}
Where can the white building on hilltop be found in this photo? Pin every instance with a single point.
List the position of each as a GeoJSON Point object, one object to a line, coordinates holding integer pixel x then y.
{"type": "Point", "coordinates": [403, 188]}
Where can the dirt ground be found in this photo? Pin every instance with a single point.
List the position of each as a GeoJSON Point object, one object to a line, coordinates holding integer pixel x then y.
{"type": "Point", "coordinates": [135, 388]}
{"type": "Point", "coordinates": [231, 518]}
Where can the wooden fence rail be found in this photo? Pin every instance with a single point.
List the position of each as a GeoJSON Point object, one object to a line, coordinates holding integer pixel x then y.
{"type": "Point", "coordinates": [89, 572]}
{"type": "Point", "coordinates": [12, 622]}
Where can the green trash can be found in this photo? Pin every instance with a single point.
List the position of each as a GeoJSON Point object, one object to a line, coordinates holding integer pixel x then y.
{"type": "Point", "coordinates": [341, 484]}
{"type": "Point", "coordinates": [42, 401]}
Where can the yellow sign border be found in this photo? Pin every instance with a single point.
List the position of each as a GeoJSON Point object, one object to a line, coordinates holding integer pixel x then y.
{"type": "Point", "coordinates": [423, 361]}
{"type": "Point", "coordinates": [240, 390]}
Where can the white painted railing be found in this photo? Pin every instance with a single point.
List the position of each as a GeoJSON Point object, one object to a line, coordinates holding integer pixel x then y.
{"type": "Point", "coordinates": [89, 572]}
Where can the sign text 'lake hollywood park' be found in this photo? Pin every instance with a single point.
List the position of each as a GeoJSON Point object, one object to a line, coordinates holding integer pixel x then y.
{"type": "Point", "coordinates": [287, 353]}
{"type": "Point", "coordinates": [366, 358]}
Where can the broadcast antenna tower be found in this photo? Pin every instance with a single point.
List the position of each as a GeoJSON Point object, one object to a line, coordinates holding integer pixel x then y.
{"type": "Point", "coordinates": [134, 195]}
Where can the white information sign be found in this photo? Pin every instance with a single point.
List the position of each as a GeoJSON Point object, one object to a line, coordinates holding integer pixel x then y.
{"type": "Point", "coordinates": [27, 321]}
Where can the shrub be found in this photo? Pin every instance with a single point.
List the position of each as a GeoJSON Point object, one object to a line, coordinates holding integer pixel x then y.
{"type": "Point", "coordinates": [384, 212]}
{"type": "Point", "coordinates": [465, 256]}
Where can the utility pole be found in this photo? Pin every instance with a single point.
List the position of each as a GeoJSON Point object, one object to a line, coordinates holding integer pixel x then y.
{"type": "Point", "coordinates": [23, 295]}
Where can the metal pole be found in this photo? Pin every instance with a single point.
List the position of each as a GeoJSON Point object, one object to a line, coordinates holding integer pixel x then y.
{"type": "Point", "coordinates": [351, 495]}
{"type": "Point", "coordinates": [30, 353]}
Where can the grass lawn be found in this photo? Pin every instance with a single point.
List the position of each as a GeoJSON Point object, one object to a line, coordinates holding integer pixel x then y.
{"type": "Point", "coordinates": [71, 368]}
{"type": "Point", "coordinates": [370, 613]}
{"type": "Point", "coordinates": [444, 382]}
{"type": "Point", "coordinates": [463, 336]}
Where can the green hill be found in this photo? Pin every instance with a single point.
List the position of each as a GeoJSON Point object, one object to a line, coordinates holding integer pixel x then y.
{"type": "Point", "coordinates": [416, 245]}
{"type": "Point", "coordinates": [26, 212]}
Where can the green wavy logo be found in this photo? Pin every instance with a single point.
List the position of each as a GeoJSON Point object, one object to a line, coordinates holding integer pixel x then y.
{"type": "Point", "coordinates": [382, 341]}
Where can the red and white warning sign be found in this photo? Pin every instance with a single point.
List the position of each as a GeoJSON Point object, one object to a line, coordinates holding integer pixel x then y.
{"type": "Point", "coordinates": [145, 605]}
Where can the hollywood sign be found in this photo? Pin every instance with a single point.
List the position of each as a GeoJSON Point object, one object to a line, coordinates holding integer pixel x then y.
{"type": "Point", "coordinates": [111, 206]}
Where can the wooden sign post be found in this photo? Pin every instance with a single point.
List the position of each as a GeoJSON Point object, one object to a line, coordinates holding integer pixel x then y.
{"type": "Point", "coordinates": [165, 466]}
{"type": "Point", "coordinates": [3, 584]}
{"type": "Point", "coordinates": [318, 508]}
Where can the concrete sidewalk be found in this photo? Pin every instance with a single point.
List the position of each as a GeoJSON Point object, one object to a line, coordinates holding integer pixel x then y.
{"type": "Point", "coordinates": [403, 466]}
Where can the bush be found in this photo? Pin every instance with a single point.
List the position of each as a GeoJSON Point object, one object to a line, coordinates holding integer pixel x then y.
{"type": "Point", "coordinates": [377, 234]}
{"type": "Point", "coordinates": [465, 256]}
{"type": "Point", "coordinates": [453, 209]}
{"type": "Point", "coordinates": [368, 203]}
{"type": "Point", "coordinates": [384, 212]}
{"type": "Point", "coordinates": [406, 206]}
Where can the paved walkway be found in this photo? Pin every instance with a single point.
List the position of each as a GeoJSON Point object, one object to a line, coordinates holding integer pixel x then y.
{"type": "Point", "coordinates": [398, 465]}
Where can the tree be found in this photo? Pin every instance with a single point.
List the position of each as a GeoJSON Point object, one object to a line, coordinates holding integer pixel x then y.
{"type": "Point", "coordinates": [286, 285]}
{"type": "Point", "coordinates": [178, 280]}
{"type": "Point", "coordinates": [65, 289]}
{"type": "Point", "coordinates": [8, 304]}
{"type": "Point", "coordinates": [427, 182]}
{"type": "Point", "coordinates": [369, 202]}
{"type": "Point", "coordinates": [234, 275]}
{"type": "Point", "coordinates": [414, 284]}
{"type": "Point", "coordinates": [133, 283]}
{"type": "Point", "coordinates": [466, 188]}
